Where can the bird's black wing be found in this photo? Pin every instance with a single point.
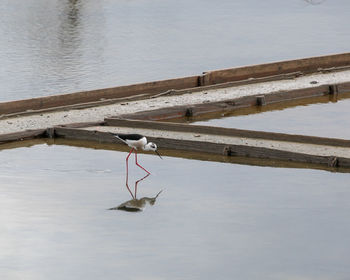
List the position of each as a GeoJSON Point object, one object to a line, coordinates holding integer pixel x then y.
{"type": "Point", "coordinates": [125, 137]}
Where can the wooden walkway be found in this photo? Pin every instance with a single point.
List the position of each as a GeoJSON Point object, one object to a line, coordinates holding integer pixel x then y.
{"type": "Point", "coordinates": [230, 143]}
{"type": "Point", "coordinates": [221, 141]}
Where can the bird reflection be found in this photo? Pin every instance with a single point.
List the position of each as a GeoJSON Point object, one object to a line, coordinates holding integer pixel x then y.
{"type": "Point", "coordinates": [136, 205]}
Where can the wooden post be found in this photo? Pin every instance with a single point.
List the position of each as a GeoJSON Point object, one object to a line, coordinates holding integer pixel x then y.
{"type": "Point", "coordinates": [260, 100]}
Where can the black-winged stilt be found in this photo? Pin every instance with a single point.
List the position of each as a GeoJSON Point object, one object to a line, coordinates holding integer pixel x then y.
{"type": "Point", "coordinates": [136, 141]}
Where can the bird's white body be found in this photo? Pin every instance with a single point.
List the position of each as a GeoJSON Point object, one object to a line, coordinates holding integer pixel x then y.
{"type": "Point", "coordinates": [136, 144]}
{"type": "Point", "coordinates": [137, 141]}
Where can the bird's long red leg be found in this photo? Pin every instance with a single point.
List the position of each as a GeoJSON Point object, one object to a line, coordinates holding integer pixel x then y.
{"type": "Point", "coordinates": [127, 186]}
{"type": "Point", "coordinates": [139, 164]}
{"type": "Point", "coordinates": [140, 181]}
{"type": "Point", "coordinates": [127, 167]}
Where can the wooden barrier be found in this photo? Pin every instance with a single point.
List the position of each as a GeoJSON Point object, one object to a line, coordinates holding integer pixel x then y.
{"type": "Point", "coordinates": [307, 65]}
{"type": "Point", "coordinates": [28, 134]}
{"type": "Point", "coordinates": [96, 95]}
{"type": "Point", "coordinates": [228, 132]}
{"type": "Point", "coordinates": [226, 77]}
{"type": "Point", "coordinates": [242, 102]}
{"type": "Point", "coordinates": [210, 147]}
{"type": "Point", "coordinates": [96, 141]}
{"type": "Point", "coordinates": [195, 155]}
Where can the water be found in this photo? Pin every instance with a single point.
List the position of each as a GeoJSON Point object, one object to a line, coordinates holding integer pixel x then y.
{"type": "Point", "coordinates": [320, 119]}
{"type": "Point", "coordinates": [53, 46]}
{"type": "Point", "coordinates": [212, 220]}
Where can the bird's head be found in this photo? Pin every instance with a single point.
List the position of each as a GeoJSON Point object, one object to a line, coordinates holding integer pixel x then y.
{"type": "Point", "coordinates": [152, 147]}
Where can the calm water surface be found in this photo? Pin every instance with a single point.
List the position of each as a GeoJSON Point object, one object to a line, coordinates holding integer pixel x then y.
{"type": "Point", "coordinates": [58, 46]}
{"type": "Point", "coordinates": [212, 220]}
{"type": "Point", "coordinates": [323, 119]}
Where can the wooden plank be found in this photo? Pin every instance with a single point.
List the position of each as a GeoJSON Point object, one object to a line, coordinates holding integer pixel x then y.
{"type": "Point", "coordinates": [201, 156]}
{"type": "Point", "coordinates": [83, 124]}
{"type": "Point", "coordinates": [18, 136]}
{"type": "Point", "coordinates": [80, 134]}
{"type": "Point", "coordinates": [228, 132]}
{"type": "Point", "coordinates": [174, 153]}
{"type": "Point", "coordinates": [202, 87]}
{"type": "Point", "coordinates": [306, 65]}
{"type": "Point", "coordinates": [284, 96]}
{"type": "Point", "coordinates": [27, 106]}
{"type": "Point", "coordinates": [214, 148]}
{"type": "Point", "coordinates": [230, 105]}
{"type": "Point", "coordinates": [269, 71]}
{"type": "Point", "coordinates": [239, 150]}
{"type": "Point", "coordinates": [343, 87]}
{"type": "Point", "coordinates": [95, 95]}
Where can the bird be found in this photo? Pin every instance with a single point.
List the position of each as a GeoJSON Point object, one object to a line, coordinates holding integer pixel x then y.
{"type": "Point", "coordinates": [136, 141]}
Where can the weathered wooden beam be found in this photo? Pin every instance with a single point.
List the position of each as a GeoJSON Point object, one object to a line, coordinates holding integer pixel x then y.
{"type": "Point", "coordinates": [83, 124]}
{"type": "Point", "coordinates": [240, 102]}
{"type": "Point", "coordinates": [228, 132]}
{"type": "Point", "coordinates": [307, 65]}
{"type": "Point", "coordinates": [96, 95]}
{"type": "Point", "coordinates": [80, 134]}
{"type": "Point", "coordinates": [202, 87]}
{"type": "Point", "coordinates": [174, 153]}
{"type": "Point", "coordinates": [209, 147]}
{"type": "Point", "coordinates": [23, 135]}
{"type": "Point", "coordinates": [243, 75]}
{"type": "Point", "coordinates": [201, 156]}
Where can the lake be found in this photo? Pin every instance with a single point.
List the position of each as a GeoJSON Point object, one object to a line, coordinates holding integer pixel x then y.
{"type": "Point", "coordinates": [211, 221]}
{"type": "Point", "coordinates": [56, 46]}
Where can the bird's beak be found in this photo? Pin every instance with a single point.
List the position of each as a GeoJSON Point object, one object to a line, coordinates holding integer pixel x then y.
{"type": "Point", "coordinates": [158, 154]}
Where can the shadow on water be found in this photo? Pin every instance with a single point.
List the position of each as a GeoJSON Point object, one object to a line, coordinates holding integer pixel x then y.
{"type": "Point", "coordinates": [135, 204]}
